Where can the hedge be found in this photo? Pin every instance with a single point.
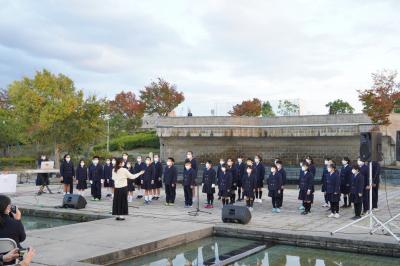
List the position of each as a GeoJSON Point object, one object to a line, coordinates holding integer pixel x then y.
{"type": "Point", "coordinates": [130, 142]}
{"type": "Point", "coordinates": [17, 162]}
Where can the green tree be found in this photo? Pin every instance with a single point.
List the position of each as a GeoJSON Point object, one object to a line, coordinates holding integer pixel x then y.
{"type": "Point", "coordinates": [339, 107]}
{"type": "Point", "coordinates": [287, 107]}
{"type": "Point", "coordinates": [266, 110]}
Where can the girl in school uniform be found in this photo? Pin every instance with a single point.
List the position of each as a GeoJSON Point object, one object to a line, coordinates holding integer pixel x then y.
{"type": "Point", "coordinates": [42, 179]}
{"type": "Point", "coordinates": [225, 185]}
{"type": "Point", "coordinates": [240, 169]}
{"type": "Point", "coordinates": [249, 183]}
{"type": "Point", "coordinates": [281, 170]}
{"type": "Point", "coordinates": [234, 173]}
{"type": "Point", "coordinates": [357, 189]}
{"type": "Point", "coordinates": [333, 190]}
{"type": "Point", "coordinates": [139, 166]}
{"type": "Point", "coordinates": [219, 174]}
{"type": "Point", "coordinates": [311, 167]}
{"type": "Point", "coordinates": [323, 181]}
{"type": "Point", "coordinates": [81, 177]}
{"type": "Point", "coordinates": [345, 181]}
{"type": "Point", "coordinates": [107, 174]}
{"type": "Point", "coordinates": [209, 182]}
{"type": "Point", "coordinates": [120, 175]}
{"type": "Point", "coordinates": [131, 182]}
{"type": "Point", "coordinates": [306, 188]}
{"type": "Point", "coordinates": [147, 181]}
{"type": "Point", "coordinates": [274, 188]}
{"type": "Point", "coordinates": [158, 177]}
{"type": "Point", "coordinates": [260, 175]}
{"type": "Point", "coordinates": [67, 172]}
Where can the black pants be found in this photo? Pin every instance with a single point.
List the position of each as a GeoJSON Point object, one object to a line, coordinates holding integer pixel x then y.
{"type": "Point", "coordinates": [357, 208]}
{"type": "Point", "coordinates": [366, 200]}
{"type": "Point", "coordinates": [240, 195]}
{"type": "Point", "coordinates": [233, 196]}
{"type": "Point", "coordinates": [276, 201]}
{"type": "Point", "coordinates": [334, 207]}
{"type": "Point", "coordinates": [188, 195]}
{"type": "Point", "coordinates": [249, 202]}
{"type": "Point", "coordinates": [280, 202]}
{"type": "Point", "coordinates": [210, 198]}
{"type": "Point", "coordinates": [326, 198]}
{"type": "Point", "coordinates": [170, 192]}
{"type": "Point", "coordinates": [375, 197]}
{"type": "Point", "coordinates": [96, 189]}
{"type": "Point", "coordinates": [307, 206]}
{"type": "Point", "coordinates": [71, 188]}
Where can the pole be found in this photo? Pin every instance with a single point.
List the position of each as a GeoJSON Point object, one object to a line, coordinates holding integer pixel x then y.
{"type": "Point", "coordinates": [108, 135]}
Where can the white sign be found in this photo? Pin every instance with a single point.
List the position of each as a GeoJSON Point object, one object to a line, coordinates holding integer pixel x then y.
{"type": "Point", "coordinates": [8, 183]}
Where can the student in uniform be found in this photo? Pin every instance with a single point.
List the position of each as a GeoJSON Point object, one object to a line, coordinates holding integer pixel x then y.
{"type": "Point", "coordinates": [158, 177]}
{"type": "Point", "coordinates": [147, 181]}
{"type": "Point", "coordinates": [275, 186]}
{"type": "Point", "coordinates": [81, 177]}
{"type": "Point", "coordinates": [111, 181]}
{"type": "Point", "coordinates": [67, 173]}
{"type": "Point", "coordinates": [364, 170]}
{"type": "Point", "coordinates": [42, 179]}
{"type": "Point", "coordinates": [120, 175]}
{"type": "Point", "coordinates": [357, 189]}
{"type": "Point", "coordinates": [209, 182]}
{"type": "Point", "coordinates": [301, 174]}
{"type": "Point", "coordinates": [96, 178]}
{"type": "Point", "coordinates": [306, 188]}
{"type": "Point", "coordinates": [189, 179]}
{"type": "Point", "coordinates": [193, 161]}
{"type": "Point", "coordinates": [107, 174]}
{"type": "Point", "coordinates": [170, 179]}
{"type": "Point", "coordinates": [260, 175]}
{"type": "Point", "coordinates": [323, 181]}
{"type": "Point", "coordinates": [225, 185]}
{"type": "Point", "coordinates": [139, 166]}
{"type": "Point", "coordinates": [249, 183]}
{"type": "Point", "coordinates": [125, 159]}
{"type": "Point", "coordinates": [240, 169]}
{"type": "Point", "coordinates": [234, 173]}
{"type": "Point", "coordinates": [219, 173]}
{"type": "Point", "coordinates": [130, 182]}
{"type": "Point", "coordinates": [311, 167]}
{"type": "Point", "coordinates": [333, 190]}
{"type": "Point", "coordinates": [281, 170]}
{"type": "Point", "coordinates": [345, 181]}
{"type": "Point", "coordinates": [376, 172]}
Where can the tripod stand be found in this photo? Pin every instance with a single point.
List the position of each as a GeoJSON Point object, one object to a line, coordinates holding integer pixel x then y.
{"type": "Point", "coordinates": [197, 211]}
{"type": "Point", "coordinates": [373, 220]}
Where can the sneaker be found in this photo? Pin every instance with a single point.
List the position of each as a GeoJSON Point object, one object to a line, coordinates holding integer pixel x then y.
{"type": "Point", "coordinates": [166, 204]}
{"type": "Point", "coordinates": [93, 199]}
{"type": "Point", "coordinates": [207, 206]}
{"type": "Point", "coordinates": [337, 215]}
{"type": "Point", "coordinates": [304, 213]}
{"type": "Point", "coordinates": [129, 198]}
{"type": "Point", "coordinates": [301, 208]}
{"type": "Point", "coordinates": [260, 200]}
{"type": "Point", "coordinates": [325, 205]}
{"type": "Point", "coordinates": [273, 210]}
{"type": "Point", "coordinates": [331, 215]}
{"type": "Point", "coordinates": [251, 209]}
{"type": "Point", "coordinates": [139, 196]}
{"type": "Point", "coordinates": [356, 217]}
{"type": "Point", "coordinates": [278, 210]}
{"type": "Point", "coordinates": [172, 204]}
{"type": "Point", "coordinates": [211, 206]}
{"type": "Point", "coordinates": [375, 209]}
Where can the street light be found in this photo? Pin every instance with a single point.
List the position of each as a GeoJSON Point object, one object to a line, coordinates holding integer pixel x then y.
{"type": "Point", "coordinates": [107, 117]}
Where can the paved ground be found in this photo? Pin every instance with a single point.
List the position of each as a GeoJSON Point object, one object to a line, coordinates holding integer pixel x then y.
{"type": "Point", "coordinates": [57, 246]}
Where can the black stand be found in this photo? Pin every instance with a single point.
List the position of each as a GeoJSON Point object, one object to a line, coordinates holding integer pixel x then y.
{"type": "Point", "coordinates": [197, 211]}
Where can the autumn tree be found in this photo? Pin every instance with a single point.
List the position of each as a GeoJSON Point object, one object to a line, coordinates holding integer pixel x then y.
{"type": "Point", "coordinates": [10, 131]}
{"type": "Point", "coordinates": [160, 97]}
{"type": "Point", "coordinates": [126, 113]}
{"type": "Point", "coordinates": [247, 108]}
{"type": "Point", "coordinates": [380, 100]}
{"type": "Point", "coordinates": [339, 107]}
{"type": "Point", "coordinates": [287, 108]}
{"type": "Point", "coordinates": [266, 110]}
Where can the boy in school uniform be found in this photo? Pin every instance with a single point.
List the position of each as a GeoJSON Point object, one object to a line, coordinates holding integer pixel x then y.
{"type": "Point", "coordinates": [96, 178]}
{"type": "Point", "coordinates": [281, 170]}
{"type": "Point", "coordinates": [306, 188]}
{"type": "Point", "coordinates": [147, 181]}
{"type": "Point", "coordinates": [364, 170]}
{"type": "Point", "coordinates": [275, 186]}
{"type": "Point", "coordinates": [333, 190]}
{"type": "Point", "coordinates": [209, 182]}
{"type": "Point", "coordinates": [345, 181]}
{"type": "Point", "coordinates": [108, 177]}
{"type": "Point", "coordinates": [323, 181]}
{"type": "Point", "coordinates": [139, 166]}
{"type": "Point", "coordinates": [219, 173]}
{"type": "Point", "coordinates": [170, 179]}
{"type": "Point", "coordinates": [158, 177]}
{"type": "Point", "coordinates": [376, 172]}
{"type": "Point", "coordinates": [234, 173]}
{"type": "Point", "coordinates": [225, 185]}
{"type": "Point", "coordinates": [249, 183]}
{"type": "Point", "coordinates": [189, 179]}
{"type": "Point", "coordinates": [260, 175]}
{"type": "Point", "coordinates": [193, 161]}
{"type": "Point", "coordinates": [357, 189]}
{"type": "Point", "coordinates": [240, 169]}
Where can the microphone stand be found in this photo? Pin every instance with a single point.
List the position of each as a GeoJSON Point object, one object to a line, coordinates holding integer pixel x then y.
{"type": "Point", "coordinates": [197, 211]}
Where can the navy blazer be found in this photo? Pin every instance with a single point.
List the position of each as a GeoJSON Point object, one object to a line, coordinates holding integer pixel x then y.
{"type": "Point", "coordinates": [209, 178]}
{"type": "Point", "coordinates": [306, 181]}
{"type": "Point", "coordinates": [357, 184]}
{"type": "Point", "coordinates": [249, 182]}
{"type": "Point", "coordinates": [333, 183]}
{"type": "Point", "coordinates": [107, 174]}
{"type": "Point", "coordinates": [275, 181]}
{"type": "Point", "coordinates": [81, 173]}
{"type": "Point", "coordinates": [170, 175]}
{"type": "Point", "coordinates": [346, 175]}
{"type": "Point", "coordinates": [67, 169]}
{"type": "Point", "coordinates": [189, 177]}
{"type": "Point", "coordinates": [260, 171]}
{"type": "Point", "coordinates": [226, 181]}
{"type": "Point", "coordinates": [95, 172]}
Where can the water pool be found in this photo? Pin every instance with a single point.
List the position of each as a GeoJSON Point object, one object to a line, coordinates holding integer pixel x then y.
{"type": "Point", "coordinates": [34, 222]}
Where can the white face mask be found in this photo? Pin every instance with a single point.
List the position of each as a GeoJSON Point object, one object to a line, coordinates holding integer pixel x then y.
{"type": "Point", "coordinates": [223, 169]}
{"type": "Point", "coordinates": [108, 162]}
{"type": "Point", "coordinates": [156, 159]}
{"type": "Point", "coordinates": [114, 162]}
{"type": "Point", "coordinates": [326, 162]}
{"type": "Point", "coordinates": [330, 170]}
{"type": "Point", "coordinates": [187, 167]}
{"type": "Point", "coordinates": [308, 161]}
{"type": "Point", "coordinates": [273, 170]}
{"type": "Point", "coordinates": [221, 162]}
{"type": "Point", "coordinates": [303, 168]}
{"type": "Point", "coordinates": [360, 163]}
{"type": "Point", "coordinates": [257, 160]}
{"type": "Point", "coordinates": [169, 163]}
{"type": "Point", "coordinates": [43, 158]}
{"type": "Point", "coordinates": [95, 162]}
{"type": "Point", "coordinates": [354, 172]}
{"type": "Point", "coordinates": [208, 166]}
{"type": "Point", "coordinates": [67, 159]}
{"type": "Point", "coordinates": [248, 171]}
{"type": "Point", "coordinates": [82, 164]}
{"type": "Point", "coordinates": [125, 157]}
{"type": "Point", "coordinates": [240, 160]}
{"type": "Point", "coordinates": [139, 160]}
{"type": "Point", "coordinates": [344, 162]}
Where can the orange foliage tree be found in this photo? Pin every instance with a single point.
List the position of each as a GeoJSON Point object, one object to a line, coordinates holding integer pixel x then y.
{"type": "Point", "coordinates": [247, 108]}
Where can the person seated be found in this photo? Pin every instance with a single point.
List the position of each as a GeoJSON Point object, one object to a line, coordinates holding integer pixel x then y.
{"type": "Point", "coordinates": [14, 254]}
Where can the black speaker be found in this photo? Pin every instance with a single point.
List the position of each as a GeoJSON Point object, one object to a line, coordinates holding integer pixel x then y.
{"type": "Point", "coordinates": [74, 201]}
{"type": "Point", "coordinates": [235, 214]}
{"type": "Point", "coordinates": [371, 146]}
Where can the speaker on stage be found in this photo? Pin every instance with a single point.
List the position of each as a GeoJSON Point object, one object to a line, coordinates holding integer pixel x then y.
{"type": "Point", "coordinates": [74, 201]}
{"type": "Point", "coordinates": [371, 146]}
{"type": "Point", "coordinates": [235, 214]}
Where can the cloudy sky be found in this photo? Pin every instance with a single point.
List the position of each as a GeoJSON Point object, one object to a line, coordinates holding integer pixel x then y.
{"type": "Point", "coordinates": [217, 52]}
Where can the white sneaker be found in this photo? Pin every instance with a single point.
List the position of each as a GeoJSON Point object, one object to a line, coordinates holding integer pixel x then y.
{"type": "Point", "coordinates": [251, 209]}
{"type": "Point", "coordinates": [129, 198]}
{"type": "Point", "coordinates": [260, 200]}
{"type": "Point", "coordinates": [325, 205]}
{"type": "Point", "coordinates": [331, 215]}
{"type": "Point", "coordinates": [337, 215]}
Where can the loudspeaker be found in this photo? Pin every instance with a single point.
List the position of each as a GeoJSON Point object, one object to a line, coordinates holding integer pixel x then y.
{"type": "Point", "coordinates": [74, 201]}
{"type": "Point", "coordinates": [235, 214]}
{"type": "Point", "coordinates": [371, 146]}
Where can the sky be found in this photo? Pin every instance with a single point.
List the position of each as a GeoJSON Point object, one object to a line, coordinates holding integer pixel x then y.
{"type": "Point", "coordinates": [218, 53]}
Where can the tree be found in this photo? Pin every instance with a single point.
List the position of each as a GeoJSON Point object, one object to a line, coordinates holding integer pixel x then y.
{"type": "Point", "coordinates": [247, 108]}
{"type": "Point", "coordinates": [160, 97]}
{"type": "Point", "coordinates": [287, 107]}
{"type": "Point", "coordinates": [51, 111]}
{"type": "Point", "coordinates": [380, 100]}
{"type": "Point", "coordinates": [339, 107]}
{"type": "Point", "coordinates": [126, 113]}
{"type": "Point", "coordinates": [266, 110]}
{"type": "Point", "coordinates": [10, 132]}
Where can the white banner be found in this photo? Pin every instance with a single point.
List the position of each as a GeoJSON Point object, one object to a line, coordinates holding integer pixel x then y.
{"type": "Point", "coordinates": [8, 183]}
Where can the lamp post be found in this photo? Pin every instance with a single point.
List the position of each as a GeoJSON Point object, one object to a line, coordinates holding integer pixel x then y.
{"type": "Point", "coordinates": [107, 117]}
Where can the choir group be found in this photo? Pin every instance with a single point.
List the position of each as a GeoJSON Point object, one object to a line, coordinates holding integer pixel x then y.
{"type": "Point", "coordinates": [242, 180]}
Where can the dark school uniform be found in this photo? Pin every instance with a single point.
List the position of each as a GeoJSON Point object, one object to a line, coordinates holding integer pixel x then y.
{"type": "Point", "coordinates": [376, 172]}
{"type": "Point", "coordinates": [209, 179]}
{"type": "Point", "coordinates": [136, 169]}
{"type": "Point", "coordinates": [325, 173]}
{"type": "Point", "coordinates": [42, 179]}
{"type": "Point", "coordinates": [148, 177]}
{"type": "Point", "coordinates": [333, 187]}
{"type": "Point", "coordinates": [241, 170]}
{"type": "Point", "coordinates": [274, 185]}
{"type": "Point", "coordinates": [364, 170]}
{"type": "Point", "coordinates": [283, 174]}
{"type": "Point", "coordinates": [306, 182]}
{"type": "Point", "coordinates": [131, 182]}
{"type": "Point", "coordinates": [67, 171]}
{"type": "Point", "coordinates": [108, 181]}
{"type": "Point", "coordinates": [260, 174]}
{"type": "Point", "coordinates": [225, 184]}
{"type": "Point", "coordinates": [249, 183]}
{"type": "Point", "coordinates": [189, 179]}
{"type": "Point", "coordinates": [170, 179]}
{"type": "Point", "coordinates": [95, 175]}
{"type": "Point", "coordinates": [345, 179]}
{"type": "Point", "coordinates": [81, 176]}
{"type": "Point", "coordinates": [158, 171]}
{"type": "Point", "coordinates": [357, 188]}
